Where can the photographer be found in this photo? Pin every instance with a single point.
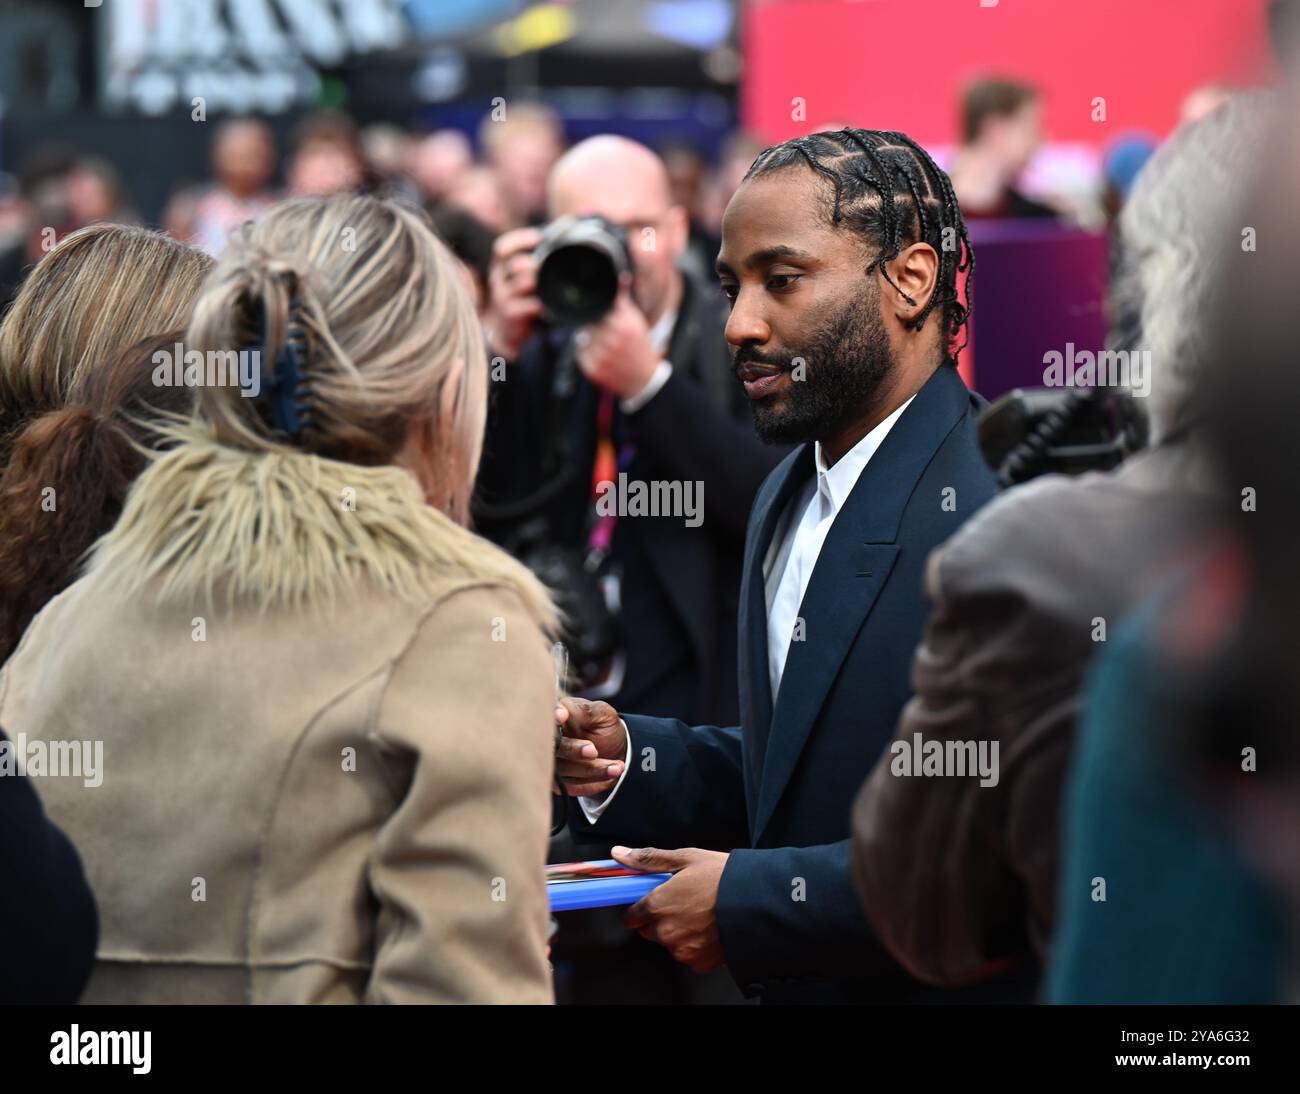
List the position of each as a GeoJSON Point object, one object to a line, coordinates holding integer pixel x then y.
{"type": "Point", "coordinates": [645, 390]}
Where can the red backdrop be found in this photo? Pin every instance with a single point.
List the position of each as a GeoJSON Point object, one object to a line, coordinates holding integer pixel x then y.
{"type": "Point", "coordinates": [900, 64]}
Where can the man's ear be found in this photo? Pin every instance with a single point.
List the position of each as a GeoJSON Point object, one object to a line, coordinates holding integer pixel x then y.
{"type": "Point", "coordinates": [915, 272]}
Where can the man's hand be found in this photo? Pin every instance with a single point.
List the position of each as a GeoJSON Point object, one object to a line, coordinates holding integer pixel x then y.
{"type": "Point", "coordinates": [593, 736]}
{"type": "Point", "coordinates": [682, 913]}
{"type": "Point", "coordinates": [616, 354]}
{"type": "Point", "coordinates": [513, 304]}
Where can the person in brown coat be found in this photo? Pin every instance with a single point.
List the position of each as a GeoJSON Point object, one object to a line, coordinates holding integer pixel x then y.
{"type": "Point", "coordinates": [313, 712]}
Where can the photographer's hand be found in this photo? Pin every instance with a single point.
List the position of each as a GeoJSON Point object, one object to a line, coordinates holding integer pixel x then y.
{"type": "Point", "coordinates": [589, 757]}
{"type": "Point", "coordinates": [616, 354]}
{"type": "Point", "coordinates": [512, 281]}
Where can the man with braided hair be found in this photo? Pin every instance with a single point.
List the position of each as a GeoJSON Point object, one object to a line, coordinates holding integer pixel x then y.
{"type": "Point", "coordinates": [842, 255]}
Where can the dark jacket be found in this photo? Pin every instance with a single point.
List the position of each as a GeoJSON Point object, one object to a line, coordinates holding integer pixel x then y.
{"type": "Point", "coordinates": [47, 911]}
{"type": "Point", "coordinates": [775, 791]}
{"type": "Point", "coordinates": [959, 879]}
{"type": "Point", "coordinates": [679, 584]}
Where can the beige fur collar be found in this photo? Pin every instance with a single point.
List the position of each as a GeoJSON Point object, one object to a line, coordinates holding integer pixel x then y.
{"type": "Point", "coordinates": [288, 528]}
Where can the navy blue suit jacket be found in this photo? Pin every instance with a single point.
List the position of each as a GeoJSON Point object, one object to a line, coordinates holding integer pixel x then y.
{"type": "Point", "coordinates": [776, 791]}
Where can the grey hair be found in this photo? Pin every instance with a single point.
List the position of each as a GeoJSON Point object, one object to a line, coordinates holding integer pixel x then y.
{"type": "Point", "coordinates": [1172, 226]}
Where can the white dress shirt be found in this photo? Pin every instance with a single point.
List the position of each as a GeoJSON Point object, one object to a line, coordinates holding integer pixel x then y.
{"type": "Point", "coordinates": [788, 566]}
{"type": "Point", "coordinates": [790, 559]}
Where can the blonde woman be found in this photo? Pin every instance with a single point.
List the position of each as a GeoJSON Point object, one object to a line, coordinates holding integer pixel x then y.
{"type": "Point", "coordinates": [325, 706]}
{"type": "Point", "coordinates": [101, 289]}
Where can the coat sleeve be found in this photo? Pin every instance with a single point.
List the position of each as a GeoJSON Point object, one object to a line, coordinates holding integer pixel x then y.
{"type": "Point", "coordinates": [684, 788]}
{"type": "Point", "coordinates": [511, 464]}
{"type": "Point", "coordinates": [789, 914]}
{"type": "Point", "coordinates": [458, 869]}
{"type": "Point", "coordinates": [46, 905]}
{"type": "Point", "coordinates": [949, 868]}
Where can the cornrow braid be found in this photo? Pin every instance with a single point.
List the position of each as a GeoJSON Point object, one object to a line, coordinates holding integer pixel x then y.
{"type": "Point", "coordinates": [887, 188]}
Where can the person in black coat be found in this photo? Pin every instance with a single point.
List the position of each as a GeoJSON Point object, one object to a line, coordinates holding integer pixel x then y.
{"type": "Point", "coordinates": [47, 911]}
{"type": "Point", "coordinates": [646, 392]}
{"type": "Point", "coordinates": [845, 318]}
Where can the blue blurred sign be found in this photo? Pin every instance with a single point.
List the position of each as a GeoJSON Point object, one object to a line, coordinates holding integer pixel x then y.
{"type": "Point", "coordinates": [448, 18]}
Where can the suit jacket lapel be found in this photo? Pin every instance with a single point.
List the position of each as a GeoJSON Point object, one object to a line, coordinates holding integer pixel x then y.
{"type": "Point", "coordinates": [755, 688]}
{"type": "Point", "coordinates": [851, 570]}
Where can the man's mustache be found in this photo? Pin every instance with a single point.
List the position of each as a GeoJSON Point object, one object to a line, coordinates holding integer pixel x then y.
{"type": "Point", "coordinates": [747, 355]}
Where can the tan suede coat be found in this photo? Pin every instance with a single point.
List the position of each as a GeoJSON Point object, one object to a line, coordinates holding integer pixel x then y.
{"type": "Point", "coordinates": [325, 713]}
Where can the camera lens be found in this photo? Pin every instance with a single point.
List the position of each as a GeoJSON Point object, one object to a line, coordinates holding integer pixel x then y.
{"type": "Point", "coordinates": [579, 265]}
{"type": "Point", "coordinates": [577, 284]}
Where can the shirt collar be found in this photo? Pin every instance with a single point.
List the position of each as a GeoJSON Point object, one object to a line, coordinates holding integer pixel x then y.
{"type": "Point", "coordinates": [837, 482]}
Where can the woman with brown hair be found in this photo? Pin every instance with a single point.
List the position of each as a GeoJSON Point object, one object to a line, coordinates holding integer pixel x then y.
{"type": "Point", "coordinates": [68, 474]}
{"type": "Point", "coordinates": [326, 706]}
{"type": "Point", "coordinates": [98, 291]}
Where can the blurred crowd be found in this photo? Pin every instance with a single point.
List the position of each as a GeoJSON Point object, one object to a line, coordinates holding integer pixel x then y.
{"type": "Point", "coordinates": [495, 179]}
{"type": "Point", "coordinates": [481, 193]}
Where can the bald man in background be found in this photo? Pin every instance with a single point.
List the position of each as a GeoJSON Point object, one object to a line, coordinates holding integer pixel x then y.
{"type": "Point", "coordinates": [653, 386]}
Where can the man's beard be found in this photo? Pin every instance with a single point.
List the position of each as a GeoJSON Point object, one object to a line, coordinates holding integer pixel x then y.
{"type": "Point", "coordinates": [846, 362]}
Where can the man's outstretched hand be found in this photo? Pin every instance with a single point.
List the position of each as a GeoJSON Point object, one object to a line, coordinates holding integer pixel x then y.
{"type": "Point", "coordinates": [682, 913]}
{"type": "Point", "coordinates": [591, 754]}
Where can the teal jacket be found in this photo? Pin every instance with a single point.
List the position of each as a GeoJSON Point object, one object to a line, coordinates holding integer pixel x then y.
{"type": "Point", "coordinates": [1184, 919]}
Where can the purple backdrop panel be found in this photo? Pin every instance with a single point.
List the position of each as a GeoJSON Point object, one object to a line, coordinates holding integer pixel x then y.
{"type": "Point", "coordinates": [1038, 287]}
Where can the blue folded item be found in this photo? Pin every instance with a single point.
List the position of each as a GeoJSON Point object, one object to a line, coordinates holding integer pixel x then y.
{"type": "Point", "coordinates": [603, 883]}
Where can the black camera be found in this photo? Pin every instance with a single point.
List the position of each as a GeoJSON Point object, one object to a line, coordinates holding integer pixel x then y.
{"type": "Point", "coordinates": [1036, 431]}
{"type": "Point", "coordinates": [579, 263]}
